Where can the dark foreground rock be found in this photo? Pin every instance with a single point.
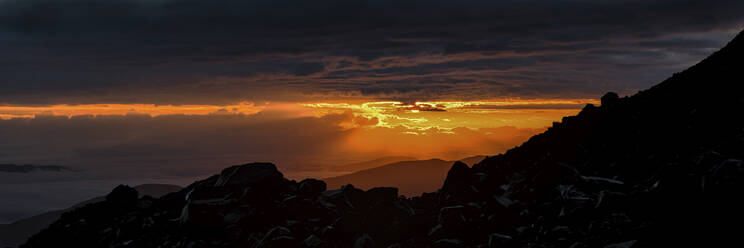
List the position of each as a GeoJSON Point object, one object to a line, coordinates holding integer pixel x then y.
{"type": "Point", "coordinates": [250, 205]}
{"type": "Point", "coordinates": [662, 168]}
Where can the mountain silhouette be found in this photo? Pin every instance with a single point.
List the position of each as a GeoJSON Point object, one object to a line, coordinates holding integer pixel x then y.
{"type": "Point", "coordinates": [353, 167]}
{"type": "Point", "coordinates": [411, 177]}
{"type": "Point", "coordinates": [15, 233]}
{"type": "Point", "coordinates": [661, 168]}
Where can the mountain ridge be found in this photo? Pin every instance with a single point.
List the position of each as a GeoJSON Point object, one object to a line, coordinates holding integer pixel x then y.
{"type": "Point", "coordinates": [17, 232]}
{"type": "Point", "coordinates": [354, 167]}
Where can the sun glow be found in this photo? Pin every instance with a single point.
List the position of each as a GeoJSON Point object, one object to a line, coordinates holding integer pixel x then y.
{"type": "Point", "coordinates": [415, 118]}
{"type": "Point", "coordinates": [9, 112]}
{"type": "Point", "coordinates": [447, 115]}
{"type": "Point", "coordinates": [443, 129]}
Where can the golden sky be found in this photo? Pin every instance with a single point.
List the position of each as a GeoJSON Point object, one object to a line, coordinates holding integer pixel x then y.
{"type": "Point", "coordinates": [443, 129]}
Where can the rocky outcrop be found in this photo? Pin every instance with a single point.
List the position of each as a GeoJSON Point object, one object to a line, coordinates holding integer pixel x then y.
{"type": "Point", "coordinates": [123, 195]}
{"type": "Point", "coordinates": [249, 205]}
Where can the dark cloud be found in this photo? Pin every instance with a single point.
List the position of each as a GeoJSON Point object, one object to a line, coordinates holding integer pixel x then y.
{"type": "Point", "coordinates": [179, 51]}
{"type": "Point", "coordinates": [26, 168]}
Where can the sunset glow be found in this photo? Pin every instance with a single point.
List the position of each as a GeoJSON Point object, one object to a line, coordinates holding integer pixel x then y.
{"type": "Point", "coordinates": [447, 115]}
{"type": "Point", "coordinates": [9, 112]}
{"type": "Point", "coordinates": [443, 129]}
{"type": "Point", "coordinates": [417, 117]}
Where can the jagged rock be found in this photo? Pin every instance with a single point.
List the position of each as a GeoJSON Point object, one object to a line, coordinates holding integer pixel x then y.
{"type": "Point", "coordinates": [277, 237]}
{"type": "Point", "coordinates": [449, 243]}
{"type": "Point", "coordinates": [609, 99]}
{"type": "Point", "coordinates": [311, 187]}
{"type": "Point", "coordinates": [122, 195]}
{"type": "Point", "coordinates": [211, 195]}
{"type": "Point", "coordinates": [588, 108]}
{"type": "Point", "coordinates": [497, 240]}
{"type": "Point", "coordinates": [264, 174]}
{"type": "Point", "coordinates": [364, 241]}
{"type": "Point", "coordinates": [435, 230]}
{"type": "Point", "coordinates": [346, 197]}
{"type": "Point", "coordinates": [600, 180]}
{"type": "Point", "coordinates": [313, 241]}
{"type": "Point", "coordinates": [626, 244]}
{"type": "Point", "coordinates": [382, 194]}
{"type": "Point", "coordinates": [452, 216]}
{"type": "Point", "coordinates": [728, 174]}
{"type": "Point", "coordinates": [458, 177]}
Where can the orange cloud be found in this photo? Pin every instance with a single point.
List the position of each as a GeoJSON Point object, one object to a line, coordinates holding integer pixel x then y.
{"type": "Point", "coordinates": [11, 111]}
{"type": "Point", "coordinates": [446, 115]}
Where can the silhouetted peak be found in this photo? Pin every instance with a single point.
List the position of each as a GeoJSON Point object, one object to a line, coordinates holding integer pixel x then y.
{"type": "Point", "coordinates": [311, 187]}
{"type": "Point", "coordinates": [457, 177]}
{"type": "Point", "coordinates": [250, 174]}
{"type": "Point", "coordinates": [588, 108]}
{"type": "Point", "coordinates": [122, 194]}
{"type": "Point", "coordinates": [609, 99]}
{"type": "Point", "coordinates": [737, 43]}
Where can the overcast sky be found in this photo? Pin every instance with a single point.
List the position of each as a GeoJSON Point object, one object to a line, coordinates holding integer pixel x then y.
{"type": "Point", "coordinates": [225, 51]}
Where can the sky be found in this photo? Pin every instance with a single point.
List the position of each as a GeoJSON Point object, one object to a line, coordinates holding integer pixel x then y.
{"type": "Point", "coordinates": [128, 91]}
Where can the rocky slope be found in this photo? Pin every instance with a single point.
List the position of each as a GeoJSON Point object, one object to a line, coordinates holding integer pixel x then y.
{"type": "Point", "coordinates": [662, 168]}
{"type": "Point", "coordinates": [15, 233]}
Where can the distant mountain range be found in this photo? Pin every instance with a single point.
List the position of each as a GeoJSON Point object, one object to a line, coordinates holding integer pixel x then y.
{"type": "Point", "coordinates": [14, 234]}
{"type": "Point", "coordinates": [661, 168]}
{"type": "Point", "coordinates": [354, 167]}
{"type": "Point", "coordinates": [411, 177]}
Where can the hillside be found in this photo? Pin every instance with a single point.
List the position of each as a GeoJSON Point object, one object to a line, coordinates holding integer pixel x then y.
{"type": "Point", "coordinates": [371, 163]}
{"type": "Point", "coordinates": [661, 168]}
{"type": "Point", "coordinates": [14, 234]}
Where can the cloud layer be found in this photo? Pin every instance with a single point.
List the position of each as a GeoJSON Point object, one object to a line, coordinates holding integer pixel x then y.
{"type": "Point", "coordinates": [227, 51]}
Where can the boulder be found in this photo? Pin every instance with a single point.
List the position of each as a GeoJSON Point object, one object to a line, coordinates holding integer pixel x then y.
{"type": "Point", "coordinates": [498, 240]}
{"type": "Point", "coordinates": [209, 195]}
{"type": "Point", "coordinates": [729, 173]}
{"type": "Point", "coordinates": [123, 195]}
{"type": "Point", "coordinates": [347, 197]}
{"type": "Point", "coordinates": [263, 174]}
{"type": "Point", "coordinates": [364, 241]}
{"type": "Point", "coordinates": [609, 99]}
{"type": "Point", "coordinates": [452, 216]}
{"type": "Point", "coordinates": [313, 241]}
{"type": "Point", "coordinates": [449, 243]}
{"type": "Point", "coordinates": [458, 177]}
{"type": "Point", "coordinates": [382, 194]}
{"type": "Point", "coordinates": [277, 237]}
{"type": "Point", "coordinates": [311, 187]}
